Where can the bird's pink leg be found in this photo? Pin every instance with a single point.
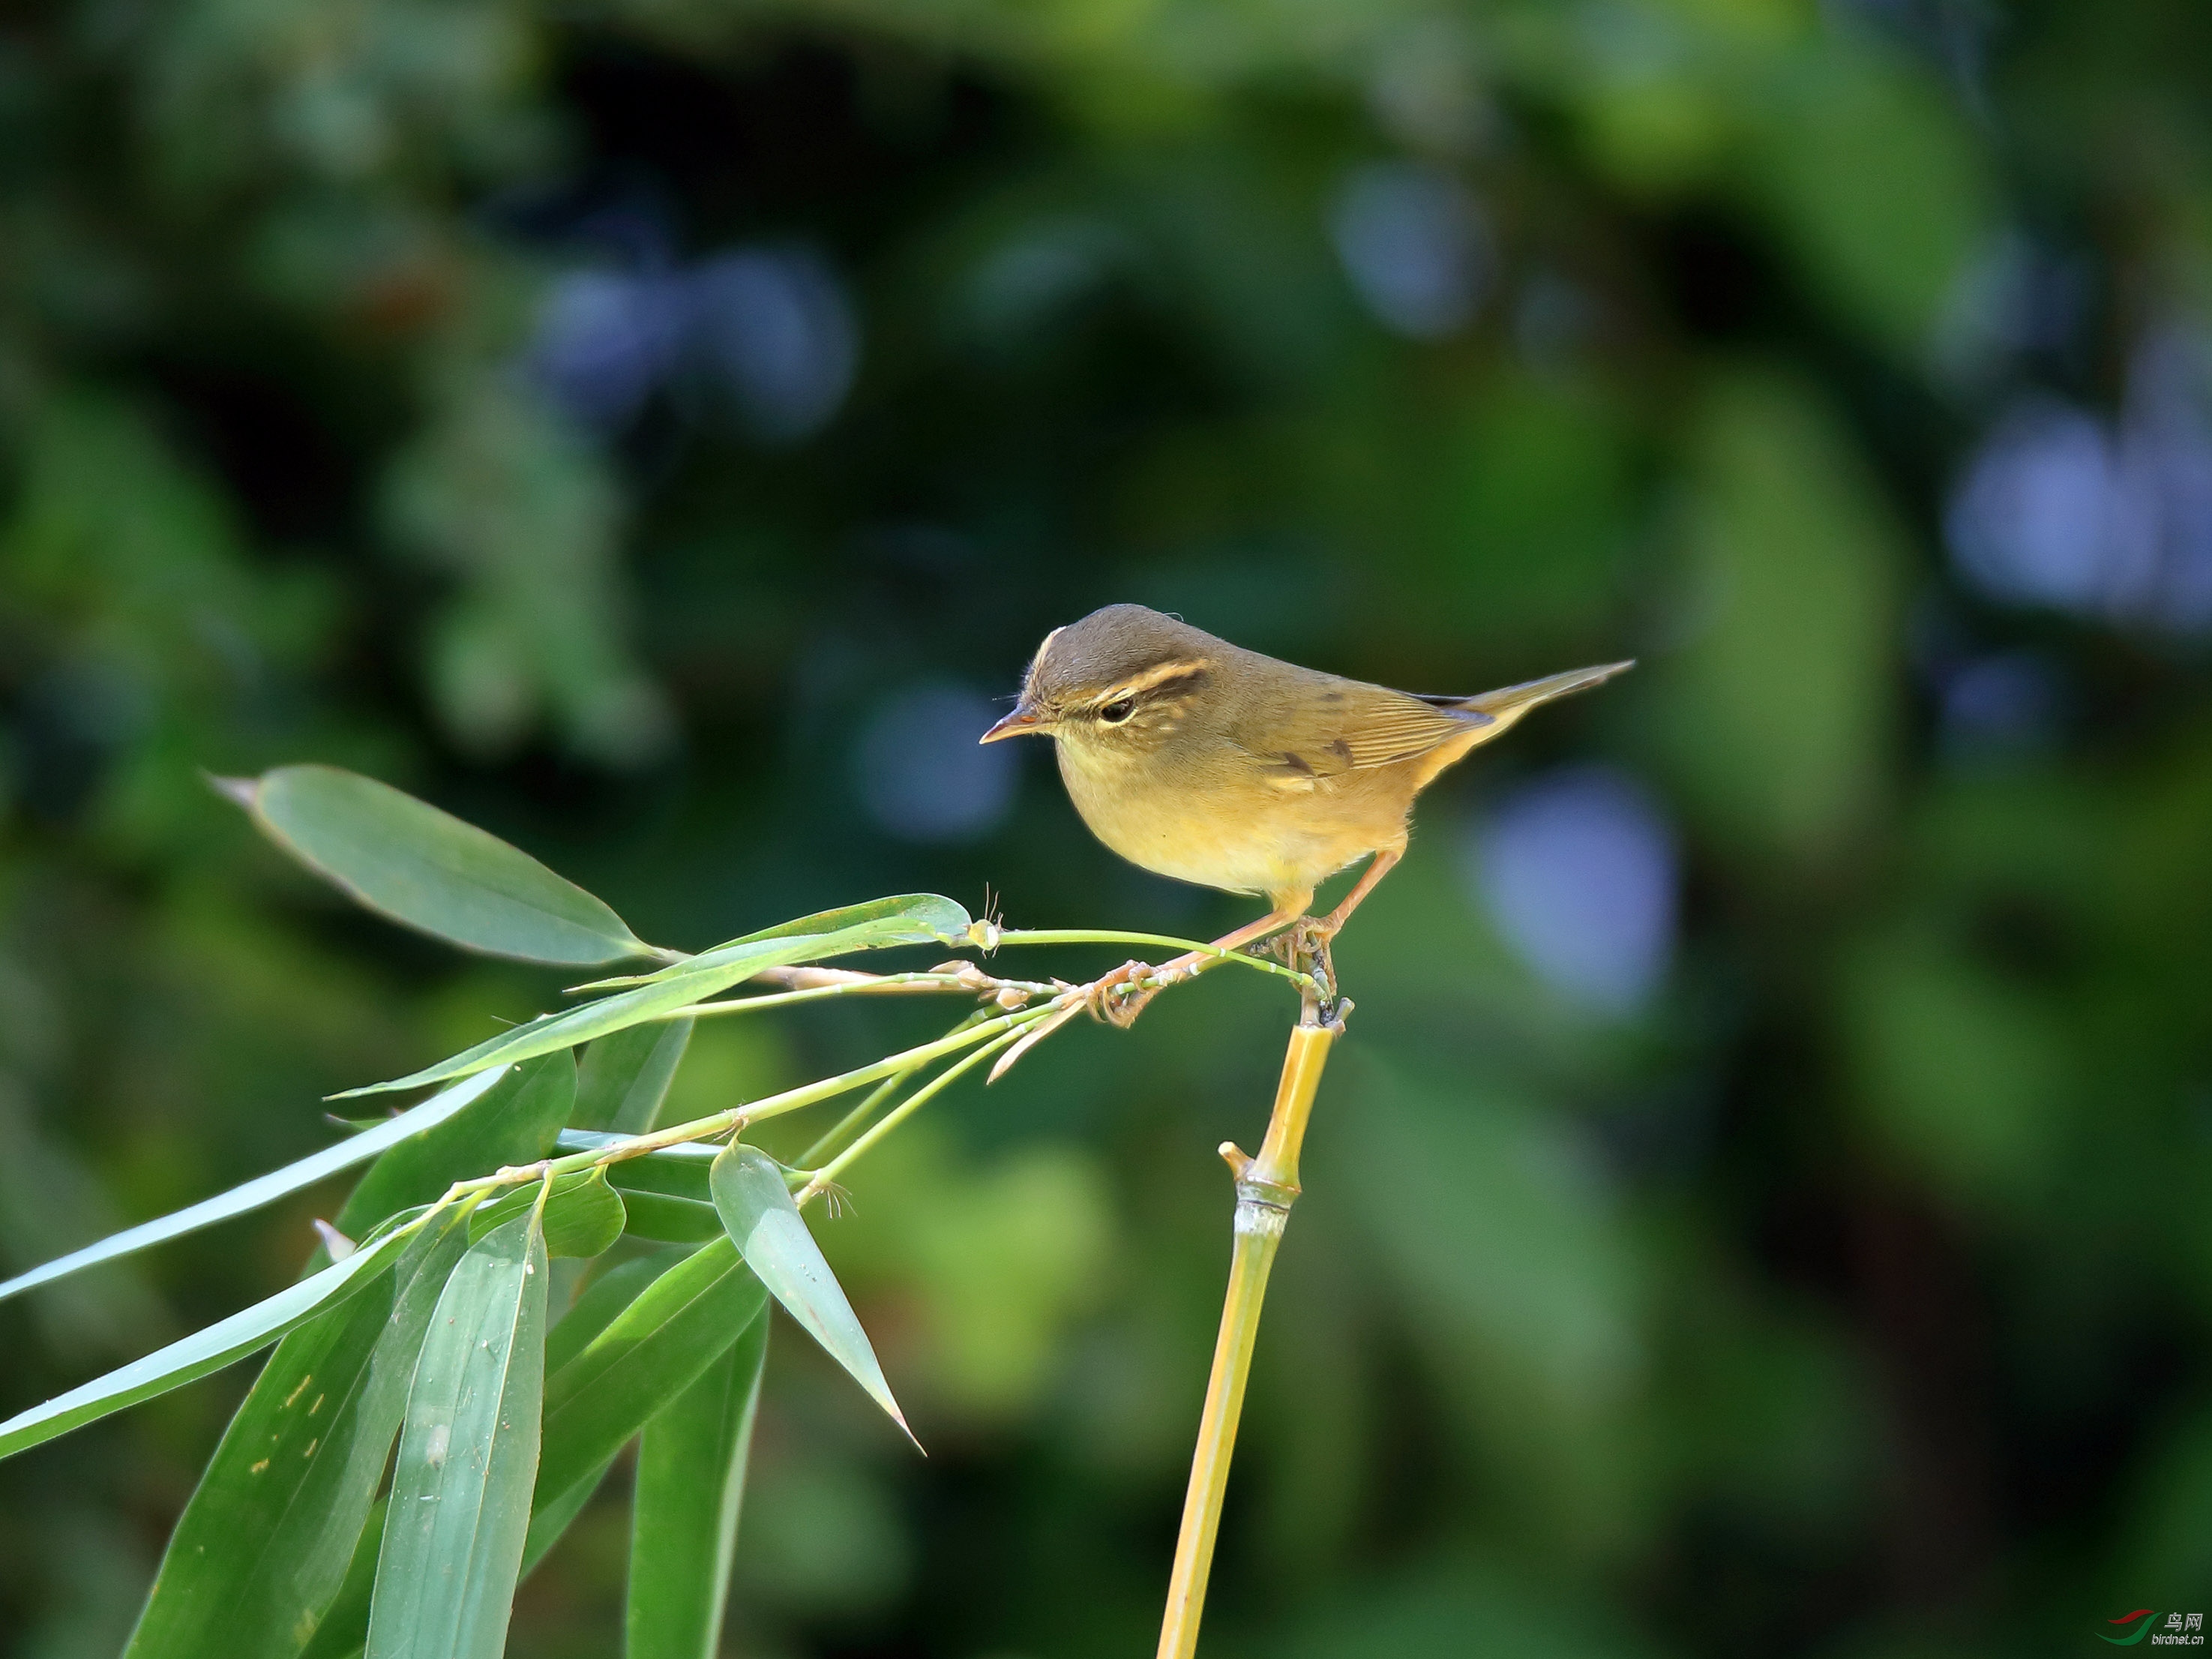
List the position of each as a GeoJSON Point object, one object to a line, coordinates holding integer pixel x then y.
{"type": "Point", "coordinates": [1378, 867]}
{"type": "Point", "coordinates": [1277, 918]}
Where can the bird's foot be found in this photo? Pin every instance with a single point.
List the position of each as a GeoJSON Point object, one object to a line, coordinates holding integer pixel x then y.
{"type": "Point", "coordinates": [1119, 996]}
{"type": "Point", "coordinates": [1304, 948]}
{"type": "Point", "coordinates": [1304, 943]}
{"type": "Point", "coordinates": [1102, 996]}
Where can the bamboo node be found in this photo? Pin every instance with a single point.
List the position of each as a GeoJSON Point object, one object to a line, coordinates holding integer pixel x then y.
{"type": "Point", "coordinates": [1261, 1220]}
{"type": "Point", "coordinates": [1275, 1195]}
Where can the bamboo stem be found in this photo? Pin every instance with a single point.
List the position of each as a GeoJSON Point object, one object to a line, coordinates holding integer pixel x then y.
{"type": "Point", "coordinates": [1266, 1187]}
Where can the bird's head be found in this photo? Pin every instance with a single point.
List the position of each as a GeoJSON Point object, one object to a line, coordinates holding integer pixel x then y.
{"type": "Point", "coordinates": [1121, 681]}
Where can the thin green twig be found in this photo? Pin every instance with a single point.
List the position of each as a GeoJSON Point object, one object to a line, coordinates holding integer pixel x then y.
{"type": "Point", "coordinates": [1080, 936]}
{"type": "Point", "coordinates": [985, 1035]}
{"type": "Point", "coordinates": [899, 1113]}
{"type": "Point", "coordinates": [852, 1120]}
{"type": "Point", "coordinates": [790, 1100]}
{"type": "Point", "coordinates": [893, 983]}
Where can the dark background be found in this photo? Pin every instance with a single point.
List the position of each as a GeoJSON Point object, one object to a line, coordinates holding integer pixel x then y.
{"type": "Point", "coordinates": [1762, 1207]}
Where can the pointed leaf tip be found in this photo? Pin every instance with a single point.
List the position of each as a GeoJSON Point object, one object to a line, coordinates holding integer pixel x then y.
{"type": "Point", "coordinates": [239, 790]}
{"type": "Point", "coordinates": [336, 1244]}
{"type": "Point", "coordinates": [764, 1223]}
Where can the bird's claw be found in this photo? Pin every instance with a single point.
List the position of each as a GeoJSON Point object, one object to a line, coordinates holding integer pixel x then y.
{"type": "Point", "coordinates": [1119, 996]}
{"type": "Point", "coordinates": [1305, 940]}
{"type": "Point", "coordinates": [1122, 1003]}
{"type": "Point", "coordinates": [1304, 948]}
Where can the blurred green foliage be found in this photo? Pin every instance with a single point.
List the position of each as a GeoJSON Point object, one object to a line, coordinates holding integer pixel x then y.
{"type": "Point", "coordinates": [655, 428]}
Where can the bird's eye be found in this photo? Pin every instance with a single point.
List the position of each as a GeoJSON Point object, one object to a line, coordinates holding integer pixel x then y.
{"type": "Point", "coordinates": [1118, 710]}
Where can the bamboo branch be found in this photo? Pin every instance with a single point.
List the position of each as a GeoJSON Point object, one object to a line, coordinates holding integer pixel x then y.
{"type": "Point", "coordinates": [1266, 1187]}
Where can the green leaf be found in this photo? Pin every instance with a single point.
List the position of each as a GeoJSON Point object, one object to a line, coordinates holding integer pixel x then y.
{"type": "Point", "coordinates": [583, 1217]}
{"type": "Point", "coordinates": [404, 859]}
{"type": "Point", "coordinates": [517, 1121]}
{"type": "Point", "coordinates": [680, 1171]}
{"type": "Point", "coordinates": [765, 1224]}
{"type": "Point", "coordinates": [204, 1351]}
{"type": "Point", "coordinates": [684, 1519]}
{"type": "Point", "coordinates": [664, 1192]}
{"type": "Point", "coordinates": [904, 918]}
{"type": "Point", "coordinates": [264, 1544]}
{"type": "Point", "coordinates": [345, 1628]}
{"type": "Point", "coordinates": [606, 1296]}
{"type": "Point", "coordinates": [264, 1189]}
{"type": "Point", "coordinates": [650, 1353]}
{"type": "Point", "coordinates": [625, 1077]}
{"type": "Point", "coordinates": [548, 1524]}
{"type": "Point", "coordinates": [468, 1456]}
{"type": "Point", "coordinates": [596, 1309]}
{"type": "Point", "coordinates": [660, 1219]}
{"type": "Point", "coordinates": [917, 919]}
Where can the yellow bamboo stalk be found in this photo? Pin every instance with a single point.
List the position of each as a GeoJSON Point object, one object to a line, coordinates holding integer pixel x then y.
{"type": "Point", "coordinates": [1266, 1187]}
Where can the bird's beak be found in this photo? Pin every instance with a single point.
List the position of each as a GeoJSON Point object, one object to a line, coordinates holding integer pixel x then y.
{"type": "Point", "coordinates": [1024, 722]}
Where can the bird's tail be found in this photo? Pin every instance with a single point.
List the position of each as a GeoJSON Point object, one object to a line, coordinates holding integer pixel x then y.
{"type": "Point", "coordinates": [1494, 712]}
{"type": "Point", "coordinates": [1509, 702]}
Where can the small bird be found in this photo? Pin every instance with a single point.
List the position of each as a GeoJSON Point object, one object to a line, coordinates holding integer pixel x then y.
{"type": "Point", "coordinates": [1198, 759]}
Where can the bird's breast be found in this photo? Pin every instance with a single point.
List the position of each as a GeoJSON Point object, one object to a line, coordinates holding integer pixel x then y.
{"type": "Point", "coordinates": [1227, 828]}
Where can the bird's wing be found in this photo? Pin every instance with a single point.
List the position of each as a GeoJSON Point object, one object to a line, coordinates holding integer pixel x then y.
{"type": "Point", "coordinates": [1352, 726]}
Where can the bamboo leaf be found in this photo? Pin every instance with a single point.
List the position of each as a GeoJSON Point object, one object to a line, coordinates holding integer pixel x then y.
{"type": "Point", "coordinates": [517, 1121]}
{"type": "Point", "coordinates": [264, 1189]}
{"type": "Point", "coordinates": [660, 1219]}
{"type": "Point", "coordinates": [684, 1524]}
{"type": "Point", "coordinates": [917, 919]}
{"type": "Point", "coordinates": [583, 1217]}
{"type": "Point", "coordinates": [204, 1351]}
{"type": "Point", "coordinates": [648, 1353]}
{"type": "Point", "coordinates": [602, 1299]}
{"type": "Point", "coordinates": [601, 1302]}
{"type": "Point", "coordinates": [625, 1077]}
{"type": "Point", "coordinates": [261, 1550]}
{"type": "Point", "coordinates": [547, 1525]}
{"type": "Point", "coordinates": [404, 859]}
{"type": "Point", "coordinates": [344, 1629]}
{"type": "Point", "coordinates": [904, 918]}
{"type": "Point", "coordinates": [468, 1456]}
{"type": "Point", "coordinates": [680, 1171]}
{"type": "Point", "coordinates": [762, 1221]}
{"type": "Point", "coordinates": [664, 1192]}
